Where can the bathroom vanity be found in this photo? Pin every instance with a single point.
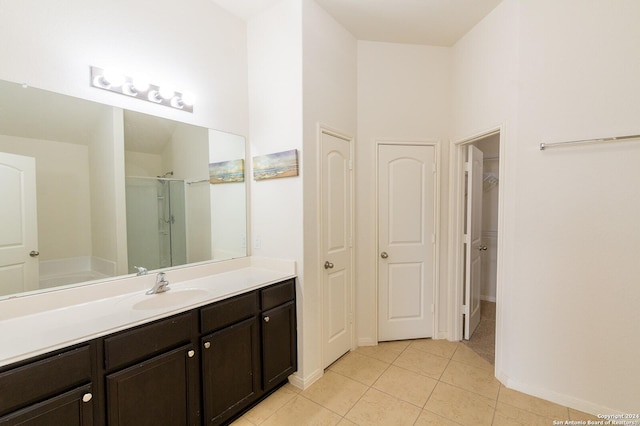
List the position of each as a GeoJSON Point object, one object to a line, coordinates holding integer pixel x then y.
{"type": "Point", "coordinates": [202, 353]}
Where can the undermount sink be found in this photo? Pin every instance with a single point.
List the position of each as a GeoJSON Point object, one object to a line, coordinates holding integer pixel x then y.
{"type": "Point", "coordinates": [170, 298]}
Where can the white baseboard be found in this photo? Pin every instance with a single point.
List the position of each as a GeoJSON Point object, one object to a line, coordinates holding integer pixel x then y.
{"type": "Point", "coordinates": [443, 335]}
{"type": "Point", "coordinates": [304, 382]}
{"type": "Point", "coordinates": [559, 398]}
{"type": "Point", "coordinates": [367, 341]}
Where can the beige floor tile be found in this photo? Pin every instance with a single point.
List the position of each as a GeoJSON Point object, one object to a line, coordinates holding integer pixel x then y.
{"type": "Point", "coordinates": [441, 347]}
{"type": "Point", "coordinates": [384, 351]}
{"type": "Point", "coordinates": [467, 356]}
{"type": "Point", "coordinates": [378, 408]}
{"type": "Point", "coordinates": [461, 406]}
{"type": "Point", "coordinates": [270, 405]}
{"type": "Point", "coordinates": [358, 367]}
{"type": "Point", "coordinates": [507, 415]}
{"type": "Point", "coordinates": [335, 392]}
{"type": "Point", "coordinates": [532, 404]}
{"type": "Point", "coordinates": [242, 422]}
{"type": "Point", "coordinates": [471, 378]}
{"type": "Point", "coordinates": [406, 385]}
{"type": "Point", "coordinates": [422, 362]}
{"type": "Point", "coordinates": [288, 386]}
{"type": "Point", "coordinates": [347, 422]}
{"type": "Point", "coordinates": [301, 411]}
{"type": "Point", "coordinates": [579, 415]}
{"type": "Point", "coordinates": [427, 418]}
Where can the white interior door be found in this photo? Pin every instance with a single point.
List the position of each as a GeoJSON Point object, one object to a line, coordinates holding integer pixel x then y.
{"type": "Point", "coordinates": [336, 238]}
{"type": "Point", "coordinates": [18, 233]}
{"type": "Point", "coordinates": [473, 241]}
{"type": "Point", "coordinates": [406, 245]}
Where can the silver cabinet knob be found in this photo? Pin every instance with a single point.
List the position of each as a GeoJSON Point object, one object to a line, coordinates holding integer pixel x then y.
{"type": "Point", "coordinates": [482, 248]}
{"type": "Point", "coordinates": [87, 397]}
{"type": "Point", "coordinates": [34, 253]}
{"type": "Point", "coordinates": [267, 319]}
{"type": "Point", "coordinates": [207, 345]}
{"type": "Point", "coordinates": [191, 353]}
{"type": "Point", "coordinates": [384, 255]}
{"type": "Point", "coordinates": [328, 265]}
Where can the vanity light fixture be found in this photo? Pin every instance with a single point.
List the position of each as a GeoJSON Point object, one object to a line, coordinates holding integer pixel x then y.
{"type": "Point", "coordinates": [114, 81]}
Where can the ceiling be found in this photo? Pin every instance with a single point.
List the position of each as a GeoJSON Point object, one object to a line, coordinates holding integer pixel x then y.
{"type": "Point", "coordinates": [429, 22]}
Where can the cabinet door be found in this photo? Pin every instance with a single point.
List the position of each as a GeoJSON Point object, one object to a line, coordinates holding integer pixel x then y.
{"type": "Point", "coordinates": [159, 391]}
{"type": "Point", "coordinates": [230, 370]}
{"type": "Point", "coordinates": [279, 349]}
{"type": "Point", "coordinates": [73, 408]}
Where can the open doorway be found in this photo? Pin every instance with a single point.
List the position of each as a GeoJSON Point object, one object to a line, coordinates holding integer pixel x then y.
{"type": "Point", "coordinates": [476, 182]}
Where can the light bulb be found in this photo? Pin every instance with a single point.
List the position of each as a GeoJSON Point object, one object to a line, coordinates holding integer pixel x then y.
{"type": "Point", "coordinates": [141, 84]}
{"type": "Point", "coordinates": [166, 92]}
{"type": "Point", "coordinates": [188, 98]}
{"type": "Point", "coordinates": [113, 78]}
{"type": "Point", "coordinates": [154, 96]}
{"type": "Point", "coordinates": [176, 102]}
{"type": "Point", "coordinates": [129, 89]}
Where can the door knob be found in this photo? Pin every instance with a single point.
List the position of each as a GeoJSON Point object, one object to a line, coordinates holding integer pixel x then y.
{"type": "Point", "coordinates": [87, 397]}
{"type": "Point", "coordinates": [384, 255]}
{"type": "Point", "coordinates": [34, 253]}
{"type": "Point", "coordinates": [482, 248]}
{"type": "Point", "coordinates": [191, 353]}
{"type": "Point", "coordinates": [328, 265]}
{"type": "Point", "coordinates": [267, 319]}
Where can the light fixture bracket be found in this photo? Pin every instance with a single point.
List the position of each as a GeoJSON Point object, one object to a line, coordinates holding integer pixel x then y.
{"type": "Point", "coordinates": [147, 92]}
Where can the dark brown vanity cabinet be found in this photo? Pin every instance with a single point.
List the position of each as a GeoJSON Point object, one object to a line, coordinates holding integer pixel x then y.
{"type": "Point", "coordinates": [202, 367]}
{"type": "Point", "coordinates": [230, 357]}
{"type": "Point", "coordinates": [251, 350]}
{"type": "Point", "coordinates": [278, 323]}
{"type": "Point", "coordinates": [54, 390]}
{"type": "Point", "coordinates": [152, 374]}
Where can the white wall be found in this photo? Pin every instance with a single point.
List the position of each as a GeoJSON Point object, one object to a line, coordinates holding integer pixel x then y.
{"type": "Point", "coordinates": [403, 95]}
{"type": "Point", "coordinates": [566, 295]}
{"type": "Point", "coordinates": [329, 88]}
{"type": "Point", "coordinates": [193, 45]}
{"type": "Point", "coordinates": [275, 90]}
{"type": "Point", "coordinates": [284, 63]}
{"type": "Point", "coordinates": [142, 164]}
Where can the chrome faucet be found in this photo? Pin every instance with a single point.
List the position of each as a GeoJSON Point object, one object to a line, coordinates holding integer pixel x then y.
{"type": "Point", "coordinates": [161, 285]}
{"type": "Point", "coordinates": [141, 270]}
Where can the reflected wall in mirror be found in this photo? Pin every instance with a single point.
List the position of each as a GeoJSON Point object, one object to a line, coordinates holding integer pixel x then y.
{"type": "Point", "coordinates": [90, 191]}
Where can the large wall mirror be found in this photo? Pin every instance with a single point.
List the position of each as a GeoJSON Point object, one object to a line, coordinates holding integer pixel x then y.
{"type": "Point", "coordinates": [92, 191]}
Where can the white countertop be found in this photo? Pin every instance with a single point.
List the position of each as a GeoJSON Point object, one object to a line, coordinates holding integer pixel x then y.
{"type": "Point", "coordinates": [40, 323]}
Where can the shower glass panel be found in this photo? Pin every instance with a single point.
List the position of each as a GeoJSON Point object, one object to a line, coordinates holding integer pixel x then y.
{"type": "Point", "coordinates": [156, 224]}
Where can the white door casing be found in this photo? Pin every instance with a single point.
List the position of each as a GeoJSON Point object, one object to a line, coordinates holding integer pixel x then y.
{"type": "Point", "coordinates": [19, 233]}
{"type": "Point", "coordinates": [473, 241]}
{"type": "Point", "coordinates": [336, 251]}
{"type": "Point", "coordinates": [406, 241]}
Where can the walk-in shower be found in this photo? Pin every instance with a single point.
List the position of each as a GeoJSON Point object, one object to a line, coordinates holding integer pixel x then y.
{"type": "Point", "coordinates": [156, 223]}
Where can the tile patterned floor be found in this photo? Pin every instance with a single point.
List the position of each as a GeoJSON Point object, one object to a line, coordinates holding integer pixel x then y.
{"type": "Point", "coordinates": [418, 382]}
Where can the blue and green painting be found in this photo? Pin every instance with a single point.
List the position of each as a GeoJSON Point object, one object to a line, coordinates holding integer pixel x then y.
{"type": "Point", "coordinates": [276, 165]}
{"type": "Point", "coordinates": [226, 171]}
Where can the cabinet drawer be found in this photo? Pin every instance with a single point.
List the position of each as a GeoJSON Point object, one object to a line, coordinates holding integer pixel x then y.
{"type": "Point", "coordinates": [227, 312]}
{"type": "Point", "coordinates": [277, 294]}
{"type": "Point", "coordinates": [43, 379]}
{"type": "Point", "coordinates": [146, 341]}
